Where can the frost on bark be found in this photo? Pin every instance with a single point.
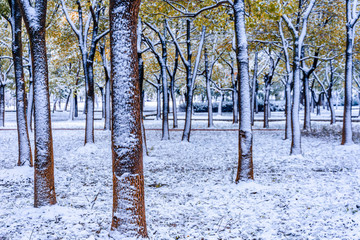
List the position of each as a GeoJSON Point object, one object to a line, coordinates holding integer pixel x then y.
{"type": "Point", "coordinates": [128, 218]}
{"type": "Point", "coordinates": [208, 90]}
{"type": "Point", "coordinates": [2, 103]}
{"type": "Point", "coordinates": [35, 17]}
{"type": "Point", "coordinates": [105, 64]}
{"type": "Point", "coordinates": [24, 146]}
{"type": "Point", "coordinates": [351, 19]}
{"type": "Point", "coordinates": [245, 164]}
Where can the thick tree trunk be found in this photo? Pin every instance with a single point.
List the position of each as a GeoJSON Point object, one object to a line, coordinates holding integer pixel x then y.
{"type": "Point", "coordinates": [2, 105]}
{"type": "Point", "coordinates": [245, 165]}
{"type": "Point", "coordinates": [44, 191]}
{"type": "Point", "coordinates": [128, 219]}
{"type": "Point", "coordinates": [24, 146]}
{"type": "Point", "coordinates": [347, 135]}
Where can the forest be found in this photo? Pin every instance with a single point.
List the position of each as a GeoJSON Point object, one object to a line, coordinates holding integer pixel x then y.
{"type": "Point", "coordinates": [179, 119]}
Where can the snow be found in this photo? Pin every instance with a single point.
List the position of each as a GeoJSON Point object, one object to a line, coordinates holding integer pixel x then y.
{"type": "Point", "coordinates": [189, 186]}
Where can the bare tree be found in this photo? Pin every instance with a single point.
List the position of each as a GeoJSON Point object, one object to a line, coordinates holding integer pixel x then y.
{"type": "Point", "coordinates": [128, 219]}
{"type": "Point", "coordinates": [88, 56]}
{"type": "Point", "coordinates": [298, 41]}
{"type": "Point", "coordinates": [191, 73]}
{"type": "Point", "coordinates": [24, 146]}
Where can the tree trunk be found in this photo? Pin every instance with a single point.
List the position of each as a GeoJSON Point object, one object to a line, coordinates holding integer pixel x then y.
{"type": "Point", "coordinates": [24, 146]}
{"type": "Point", "coordinates": [44, 191]}
{"type": "Point", "coordinates": [266, 100]}
{"type": "Point", "coordinates": [253, 89]}
{"type": "Point", "coordinates": [208, 90]}
{"type": "Point", "coordinates": [67, 101]}
{"type": "Point", "coordinates": [173, 98]}
{"type": "Point", "coordinates": [158, 102]}
{"type": "Point", "coordinates": [245, 165]}
{"type": "Point", "coordinates": [220, 103]}
{"type": "Point", "coordinates": [295, 124]}
{"type": "Point", "coordinates": [30, 103]}
{"type": "Point", "coordinates": [90, 95]}
{"type": "Point", "coordinates": [189, 88]}
{"type": "Point", "coordinates": [76, 108]}
{"type": "Point", "coordinates": [307, 107]}
{"type": "Point", "coordinates": [128, 218]}
{"type": "Point", "coordinates": [107, 105]}
{"type": "Point", "coordinates": [347, 135]}
{"type": "Point", "coordinates": [288, 109]}
{"type": "Point", "coordinates": [165, 112]}
{"type": "Point", "coordinates": [2, 105]}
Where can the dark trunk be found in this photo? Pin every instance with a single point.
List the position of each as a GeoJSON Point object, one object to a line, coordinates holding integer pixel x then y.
{"type": "Point", "coordinates": [24, 146]}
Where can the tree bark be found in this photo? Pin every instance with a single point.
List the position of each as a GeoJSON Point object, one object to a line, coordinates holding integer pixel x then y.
{"type": "Point", "coordinates": [245, 165]}
{"type": "Point", "coordinates": [44, 191]}
{"type": "Point", "coordinates": [24, 146]}
{"type": "Point", "coordinates": [347, 135]}
{"type": "Point", "coordinates": [208, 90]}
{"type": "Point", "coordinates": [2, 104]}
{"type": "Point", "coordinates": [128, 218]}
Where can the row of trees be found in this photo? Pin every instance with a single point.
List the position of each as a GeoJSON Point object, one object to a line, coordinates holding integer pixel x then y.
{"type": "Point", "coordinates": [140, 52]}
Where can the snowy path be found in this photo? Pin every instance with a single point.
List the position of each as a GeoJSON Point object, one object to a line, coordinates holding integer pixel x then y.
{"type": "Point", "coordinates": [190, 192]}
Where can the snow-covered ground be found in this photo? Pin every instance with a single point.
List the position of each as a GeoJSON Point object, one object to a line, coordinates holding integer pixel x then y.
{"type": "Point", "coordinates": [189, 187]}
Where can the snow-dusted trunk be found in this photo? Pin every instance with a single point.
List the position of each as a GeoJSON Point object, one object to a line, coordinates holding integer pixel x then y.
{"type": "Point", "coordinates": [24, 147]}
{"type": "Point", "coordinates": [287, 109]}
{"type": "Point", "coordinates": [235, 99]}
{"type": "Point", "coordinates": [30, 103]}
{"type": "Point", "coordinates": [102, 95]}
{"type": "Point", "coordinates": [208, 90]}
{"type": "Point", "coordinates": [2, 105]}
{"type": "Point", "coordinates": [128, 218]}
{"type": "Point", "coordinates": [172, 90]}
{"type": "Point", "coordinates": [107, 105]}
{"type": "Point", "coordinates": [165, 111]}
{"type": "Point", "coordinates": [307, 107]}
{"type": "Point", "coordinates": [253, 89]}
{"type": "Point", "coordinates": [76, 106]}
{"type": "Point", "coordinates": [347, 135]}
{"type": "Point", "coordinates": [332, 111]}
{"type": "Point", "coordinates": [295, 123]}
{"type": "Point", "coordinates": [158, 101]}
{"type": "Point", "coordinates": [266, 100]}
{"type": "Point", "coordinates": [67, 101]}
{"type": "Point", "coordinates": [90, 97]}
{"type": "Point", "coordinates": [245, 165]}
{"type": "Point", "coordinates": [189, 88]}
{"type": "Point", "coordinates": [44, 191]}
{"type": "Point", "coordinates": [220, 103]}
